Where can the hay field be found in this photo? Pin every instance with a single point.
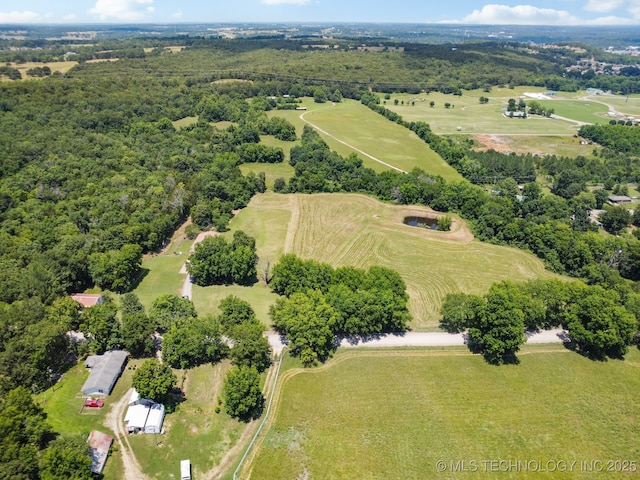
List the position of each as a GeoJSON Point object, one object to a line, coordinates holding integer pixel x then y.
{"type": "Point", "coordinates": [357, 230]}
{"type": "Point", "coordinates": [359, 126]}
{"type": "Point", "coordinates": [396, 414]}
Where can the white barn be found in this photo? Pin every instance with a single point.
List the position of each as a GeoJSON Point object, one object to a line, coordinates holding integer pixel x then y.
{"type": "Point", "coordinates": [144, 415]}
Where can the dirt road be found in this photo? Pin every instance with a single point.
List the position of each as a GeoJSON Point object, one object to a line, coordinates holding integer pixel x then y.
{"type": "Point", "coordinates": [115, 422]}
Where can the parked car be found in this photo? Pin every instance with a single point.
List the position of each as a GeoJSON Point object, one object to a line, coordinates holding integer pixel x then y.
{"type": "Point", "coordinates": [93, 402]}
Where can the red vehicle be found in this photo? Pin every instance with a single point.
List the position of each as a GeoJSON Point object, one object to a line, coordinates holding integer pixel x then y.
{"type": "Point", "coordinates": [93, 402]}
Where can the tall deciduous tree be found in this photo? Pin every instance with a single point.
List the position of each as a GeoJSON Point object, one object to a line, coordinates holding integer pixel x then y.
{"type": "Point", "coordinates": [168, 308]}
{"type": "Point", "coordinates": [154, 380]}
{"type": "Point", "coordinates": [67, 457]}
{"type": "Point", "coordinates": [498, 329]}
{"type": "Point", "coordinates": [599, 326]}
{"type": "Point", "coordinates": [308, 321]}
{"type": "Point", "coordinates": [242, 395]}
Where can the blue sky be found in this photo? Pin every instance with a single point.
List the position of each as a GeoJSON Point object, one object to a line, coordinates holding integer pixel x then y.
{"type": "Point", "coordinates": [524, 12]}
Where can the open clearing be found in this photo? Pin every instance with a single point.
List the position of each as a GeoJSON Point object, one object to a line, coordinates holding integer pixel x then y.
{"type": "Point", "coordinates": [361, 127]}
{"type": "Point", "coordinates": [395, 414]}
{"type": "Point", "coordinates": [357, 230]}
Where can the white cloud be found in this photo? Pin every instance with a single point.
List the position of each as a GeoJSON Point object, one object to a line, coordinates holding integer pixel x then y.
{"type": "Point", "coordinates": [520, 15]}
{"type": "Point", "coordinates": [611, 20]}
{"type": "Point", "coordinates": [603, 5]}
{"type": "Point", "coordinates": [128, 10]}
{"type": "Point", "coordinates": [177, 14]}
{"type": "Point", "coordinates": [18, 17]}
{"type": "Point", "coordinates": [285, 2]}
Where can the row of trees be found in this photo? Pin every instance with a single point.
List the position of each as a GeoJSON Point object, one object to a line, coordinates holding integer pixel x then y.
{"type": "Point", "coordinates": [600, 322]}
{"type": "Point", "coordinates": [321, 302]}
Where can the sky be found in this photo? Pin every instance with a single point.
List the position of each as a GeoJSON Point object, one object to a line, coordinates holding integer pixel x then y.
{"type": "Point", "coordinates": [523, 12]}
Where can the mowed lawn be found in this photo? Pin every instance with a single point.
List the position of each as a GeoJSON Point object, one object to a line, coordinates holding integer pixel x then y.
{"type": "Point", "coordinates": [397, 414]}
{"type": "Point", "coordinates": [357, 230]}
{"type": "Point", "coordinates": [358, 126]}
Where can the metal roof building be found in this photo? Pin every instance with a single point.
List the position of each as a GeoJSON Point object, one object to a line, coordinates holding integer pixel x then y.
{"type": "Point", "coordinates": [105, 370]}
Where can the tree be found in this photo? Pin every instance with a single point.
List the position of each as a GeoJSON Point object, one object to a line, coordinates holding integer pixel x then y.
{"type": "Point", "coordinates": [250, 347]}
{"type": "Point", "coordinates": [615, 219]}
{"type": "Point", "coordinates": [168, 308]}
{"type": "Point", "coordinates": [600, 327]}
{"type": "Point", "coordinates": [243, 265]}
{"type": "Point", "coordinates": [67, 457]}
{"type": "Point", "coordinates": [308, 321]}
{"type": "Point", "coordinates": [154, 380]}
{"type": "Point", "coordinates": [101, 324]}
{"type": "Point", "coordinates": [234, 311]}
{"type": "Point", "coordinates": [211, 262]}
{"type": "Point", "coordinates": [193, 342]}
{"type": "Point", "coordinates": [23, 433]}
{"type": "Point", "coordinates": [242, 395]}
{"type": "Point", "coordinates": [137, 334]}
{"type": "Point", "coordinates": [459, 311]}
{"type": "Point", "coordinates": [498, 329]}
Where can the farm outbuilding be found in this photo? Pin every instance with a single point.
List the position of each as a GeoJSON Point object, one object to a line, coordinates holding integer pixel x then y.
{"type": "Point", "coordinates": [105, 370]}
{"type": "Point", "coordinates": [99, 443]}
{"type": "Point", "coordinates": [88, 300]}
{"type": "Point", "coordinates": [144, 415]}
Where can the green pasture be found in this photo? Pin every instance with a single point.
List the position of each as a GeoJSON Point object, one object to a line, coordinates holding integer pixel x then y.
{"type": "Point", "coordinates": [161, 272]}
{"type": "Point", "coordinates": [628, 105]}
{"type": "Point", "coordinates": [207, 299]}
{"type": "Point", "coordinates": [396, 414]}
{"type": "Point", "coordinates": [472, 117]}
{"type": "Point", "coordinates": [362, 128]}
{"type": "Point", "coordinates": [184, 122]}
{"type": "Point", "coordinates": [195, 431]}
{"type": "Point", "coordinates": [579, 110]}
{"type": "Point", "coordinates": [357, 230]}
{"type": "Point", "coordinates": [272, 171]}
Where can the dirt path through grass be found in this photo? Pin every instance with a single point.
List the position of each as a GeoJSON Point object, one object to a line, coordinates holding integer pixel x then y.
{"type": "Point", "coordinates": [324, 132]}
{"type": "Point", "coordinates": [115, 422]}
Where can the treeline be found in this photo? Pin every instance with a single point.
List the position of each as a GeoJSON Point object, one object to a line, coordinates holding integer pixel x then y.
{"type": "Point", "coordinates": [321, 302]}
{"type": "Point", "coordinates": [600, 322]}
{"type": "Point", "coordinates": [619, 138]}
{"type": "Point", "coordinates": [556, 229]}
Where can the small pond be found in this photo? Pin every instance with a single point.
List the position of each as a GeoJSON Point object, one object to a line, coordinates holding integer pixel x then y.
{"type": "Point", "coordinates": [423, 222]}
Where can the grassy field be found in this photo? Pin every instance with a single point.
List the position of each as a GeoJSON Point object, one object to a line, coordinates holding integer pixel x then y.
{"type": "Point", "coordinates": [195, 432]}
{"type": "Point", "coordinates": [357, 125]}
{"type": "Point", "coordinates": [62, 67]}
{"type": "Point", "coordinates": [472, 117]}
{"type": "Point", "coordinates": [580, 110]}
{"type": "Point", "coordinates": [63, 406]}
{"type": "Point", "coordinates": [162, 271]}
{"type": "Point", "coordinates": [396, 414]}
{"type": "Point", "coordinates": [344, 229]}
{"type": "Point", "coordinates": [629, 105]}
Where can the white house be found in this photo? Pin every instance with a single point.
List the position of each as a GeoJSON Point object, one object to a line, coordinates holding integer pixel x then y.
{"type": "Point", "coordinates": [105, 370]}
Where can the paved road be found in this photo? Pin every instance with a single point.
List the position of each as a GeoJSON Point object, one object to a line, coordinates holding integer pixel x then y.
{"type": "Point", "coordinates": [424, 339]}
